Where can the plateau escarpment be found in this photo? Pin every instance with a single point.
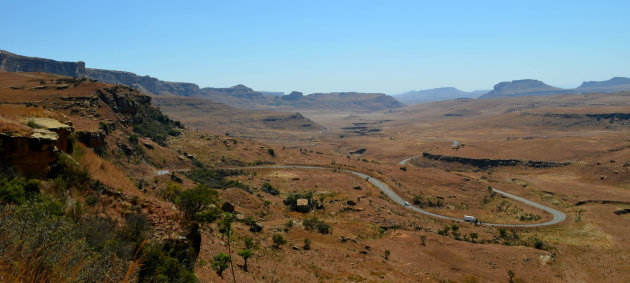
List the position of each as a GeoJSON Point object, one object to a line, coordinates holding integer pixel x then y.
{"type": "Point", "coordinates": [237, 96]}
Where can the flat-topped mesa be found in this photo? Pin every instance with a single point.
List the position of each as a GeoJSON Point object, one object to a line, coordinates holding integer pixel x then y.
{"type": "Point", "coordinates": [31, 156]}
{"type": "Point", "coordinates": [15, 63]}
{"type": "Point", "coordinates": [525, 87]}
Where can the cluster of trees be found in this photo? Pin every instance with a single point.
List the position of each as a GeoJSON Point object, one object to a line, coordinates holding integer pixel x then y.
{"type": "Point", "coordinates": [217, 178]}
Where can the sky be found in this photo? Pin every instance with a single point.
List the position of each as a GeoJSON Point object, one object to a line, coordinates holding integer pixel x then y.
{"type": "Point", "coordinates": [326, 46]}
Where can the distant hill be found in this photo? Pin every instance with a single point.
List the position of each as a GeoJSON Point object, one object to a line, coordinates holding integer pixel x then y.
{"type": "Point", "coordinates": [272, 93]}
{"type": "Point", "coordinates": [341, 101]}
{"type": "Point", "coordinates": [534, 87]}
{"type": "Point", "coordinates": [214, 117]}
{"type": "Point", "coordinates": [436, 94]}
{"type": "Point", "coordinates": [237, 96]}
{"type": "Point", "coordinates": [615, 84]}
{"type": "Point", "coordinates": [246, 98]}
{"type": "Point", "coordinates": [522, 88]}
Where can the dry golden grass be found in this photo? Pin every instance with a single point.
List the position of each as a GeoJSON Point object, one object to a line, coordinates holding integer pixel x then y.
{"type": "Point", "coordinates": [101, 169]}
{"type": "Point", "coordinates": [14, 118]}
{"type": "Point", "coordinates": [17, 265]}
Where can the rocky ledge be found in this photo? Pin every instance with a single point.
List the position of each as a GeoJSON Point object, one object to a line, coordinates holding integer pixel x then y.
{"type": "Point", "coordinates": [487, 163]}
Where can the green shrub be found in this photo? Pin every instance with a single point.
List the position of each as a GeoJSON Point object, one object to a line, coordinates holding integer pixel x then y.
{"type": "Point", "coordinates": [209, 215]}
{"type": "Point", "coordinates": [278, 240]}
{"type": "Point", "coordinates": [268, 188]}
{"type": "Point", "coordinates": [217, 178]}
{"type": "Point", "coordinates": [18, 190]}
{"type": "Point", "coordinates": [38, 241]}
{"type": "Point", "coordinates": [159, 266]}
{"type": "Point", "coordinates": [221, 262]}
{"type": "Point", "coordinates": [316, 224]}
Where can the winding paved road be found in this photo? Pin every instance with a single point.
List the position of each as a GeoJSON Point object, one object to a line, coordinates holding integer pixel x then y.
{"type": "Point", "coordinates": [558, 216]}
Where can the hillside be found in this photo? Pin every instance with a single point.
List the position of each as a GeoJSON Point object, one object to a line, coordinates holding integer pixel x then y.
{"type": "Point", "coordinates": [203, 114]}
{"type": "Point", "coordinates": [436, 94]}
{"type": "Point", "coordinates": [615, 84]}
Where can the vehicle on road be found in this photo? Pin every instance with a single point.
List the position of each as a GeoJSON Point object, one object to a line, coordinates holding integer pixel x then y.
{"type": "Point", "coordinates": [468, 218]}
{"type": "Point", "coordinates": [406, 203]}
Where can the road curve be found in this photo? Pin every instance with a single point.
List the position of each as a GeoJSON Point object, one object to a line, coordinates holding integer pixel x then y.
{"type": "Point", "coordinates": [558, 216]}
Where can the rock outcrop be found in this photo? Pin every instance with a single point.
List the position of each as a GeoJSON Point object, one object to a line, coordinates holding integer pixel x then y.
{"type": "Point", "coordinates": [144, 83]}
{"type": "Point", "coordinates": [487, 163]}
{"type": "Point", "coordinates": [15, 63]}
{"type": "Point", "coordinates": [31, 156]}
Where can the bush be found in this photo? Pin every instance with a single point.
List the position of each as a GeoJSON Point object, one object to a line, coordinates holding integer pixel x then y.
{"type": "Point", "coordinates": [268, 188]}
{"type": "Point", "coordinates": [216, 178]}
{"type": "Point", "coordinates": [18, 190]}
{"type": "Point", "coordinates": [316, 224]}
{"type": "Point", "coordinates": [155, 125]}
{"type": "Point", "coordinates": [221, 262]}
{"type": "Point", "coordinates": [278, 240]}
{"type": "Point", "coordinates": [159, 266]}
{"type": "Point", "coordinates": [40, 244]}
{"type": "Point", "coordinates": [209, 215]}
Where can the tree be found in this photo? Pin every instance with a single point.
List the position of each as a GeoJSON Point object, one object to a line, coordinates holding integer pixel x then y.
{"type": "Point", "coordinates": [250, 243]}
{"type": "Point", "coordinates": [220, 263]}
{"type": "Point", "coordinates": [245, 254]}
{"type": "Point", "coordinates": [225, 228]}
{"type": "Point", "coordinates": [511, 275]}
{"type": "Point", "coordinates": [423, 238]}
{"type": "Point", "coordinates": [307, 244]}
{"type": "Point", "coordinates": [271, 152]}
{"type": "Point", "coordinates": [387, 253]}
{"type": "Point", "coordinates": [278, 240]}
{"type": "Point", "coordinates": [196, 200]}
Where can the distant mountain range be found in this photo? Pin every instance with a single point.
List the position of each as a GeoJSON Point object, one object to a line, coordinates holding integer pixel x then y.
{"type": "Point", "coordinates": [246, 98]}
{"type": "Point", "coordinates": [436, 94]}
{"type": "Point", "coordinates": [534, 87]}
{"type": "Point", "coordinates": [527, 87]}
{"type": "Point", "coordinates": [237, 96]}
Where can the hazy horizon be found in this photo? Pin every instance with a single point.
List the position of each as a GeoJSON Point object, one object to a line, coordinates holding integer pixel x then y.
{"type": "Point", "coordinates": [331, 46]}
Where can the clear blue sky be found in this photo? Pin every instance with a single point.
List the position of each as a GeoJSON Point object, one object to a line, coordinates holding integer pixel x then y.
{"type": "Point", "coordinates": [323, 46]}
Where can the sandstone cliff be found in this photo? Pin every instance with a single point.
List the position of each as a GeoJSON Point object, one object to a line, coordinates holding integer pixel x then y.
{"type": "Point", "coordinates": [31, 156]}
